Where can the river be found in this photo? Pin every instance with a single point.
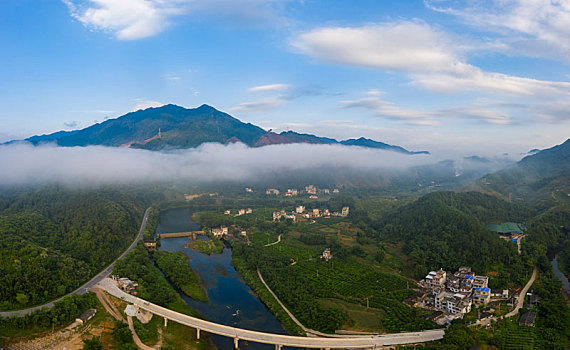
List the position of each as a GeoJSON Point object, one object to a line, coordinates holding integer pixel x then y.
{"type": "Point", "coordinates": [560, 276]}
{"type": "Point", "coordinates": [231, 301]}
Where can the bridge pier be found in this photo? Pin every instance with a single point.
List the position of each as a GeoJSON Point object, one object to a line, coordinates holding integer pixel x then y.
{"type": "Point", "coordinates": [278, 346]}
{"type": "Point", "coordinates": [198, 333]}
{"type": "Point", "coordinates": [165, 322]}
{"type": "Point", "coordinates": [236, 343]}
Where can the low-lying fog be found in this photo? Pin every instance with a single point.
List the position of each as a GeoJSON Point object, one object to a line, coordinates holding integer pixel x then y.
{"type": "Point", "coordinates": [22, 164]}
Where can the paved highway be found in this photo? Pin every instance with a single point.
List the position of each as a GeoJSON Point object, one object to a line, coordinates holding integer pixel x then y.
{"type": "Point", "coordinates": [356, 342]}
{"type": "Point", "coordinates": [90, 284]}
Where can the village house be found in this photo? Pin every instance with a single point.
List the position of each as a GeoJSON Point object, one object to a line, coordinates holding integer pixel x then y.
{"type": "Point", "coordinates": [435, 280]}
{"type": "Point", "coordinates": [227, 212]}
{"type": "Point", "coordinates": [248, 190]}
{"type": "Point", "coordinates": [219, 232]}
{"type": "Point", "coordinates": [274, 191]}
{"type": "Point", "coordinates": [314, 197]}
{"type": "Point", "coordinates": [327, 191]}
{"type": "Point", "coordinates": [336, 190]}
{"type": "Point", "coordinates": [326, 254]}
{"type": "Point", "coordinates": [300, 209]}
{"type": "Point", "coordinates": [241, 212]}
{"type": "Point", "coordinates": [291, 192]}
{"type": "Point", "coordinates": [345, 211]}
{"type": "Point", "coordinates": [249, 211]}
{"type": "Point", "coordinates": [453, 303]}
{"type": "Point", "coordinates": [311, 189]}
{"type": "Point", "coordinates": [127, 285]}
{"type": "Point", "coordinates": [481, 295]}
{"type": "Point", "coordinates": [150, 245]}
{"type": "Point", "coordinates": [277, 215]}
{"type": "Point", "coordinates": [290, 216]}
{"type": "Point", "coordinates": [316, 213]}
{"type": "Point", "coordinates": [480, 282]}
{"type": "Point", "coordinates": [528, 319]}
{"type": "Point", "coordinates": [86, 316]}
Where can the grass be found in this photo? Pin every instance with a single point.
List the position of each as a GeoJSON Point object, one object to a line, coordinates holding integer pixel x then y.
{"type": "Point", "coordinates": [211, 246]}
{"type": "Point", "coordinates": [361, 318]}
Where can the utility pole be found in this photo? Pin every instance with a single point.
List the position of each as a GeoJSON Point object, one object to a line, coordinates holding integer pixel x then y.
{"type": "Point", "coordinates": [367, 303]}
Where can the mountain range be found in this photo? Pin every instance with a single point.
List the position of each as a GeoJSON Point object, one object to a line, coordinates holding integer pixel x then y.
{"type": "Point", "coordinates": [541, 178]}
{"type": "Point", "coordinates": [175, 127]}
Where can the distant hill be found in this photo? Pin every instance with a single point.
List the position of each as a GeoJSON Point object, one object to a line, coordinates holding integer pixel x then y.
{"type": "Point", "coordinates": [542, 178]}
{"type": "Point", "coordinates": [175, 127]}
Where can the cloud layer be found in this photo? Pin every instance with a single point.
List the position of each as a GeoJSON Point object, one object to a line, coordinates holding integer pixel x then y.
{"type": "Point", "coordinates": [534, 28]}
{"type": "Point", "coordinates": [95, 165]}
{"type": "Point", "coordinates": [138, 19]}
{"type": "Point", "coordinates": [432, 58]}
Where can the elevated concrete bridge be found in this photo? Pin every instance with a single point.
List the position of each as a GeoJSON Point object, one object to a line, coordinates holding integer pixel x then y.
{"type": "Point", "coordinates": [350, 342]}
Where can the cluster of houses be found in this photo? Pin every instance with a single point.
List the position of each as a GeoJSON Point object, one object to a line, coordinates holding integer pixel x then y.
{"type": "Point", "coordinates": [126, 284]}
{"type": "Point", "coordinates": [311, 190]}
{"type": "Point", "coordinates": [310, 214]}
{"type": "Point", "coordinates": [240, 212]}
{"type": "Point", "coordinates": [221, 231]}
{"type": "Point", "coordinates": [456, 293]}
{"type": "Point", "coordinates": [326, 254]}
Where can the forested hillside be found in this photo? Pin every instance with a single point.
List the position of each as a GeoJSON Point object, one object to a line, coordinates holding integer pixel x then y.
{"type": "Point", "coordinates": [541, 179]}
{"type": "Point", "coordinates": [53, 239]}
{"type": "Point", "coordinates": [447, 230]}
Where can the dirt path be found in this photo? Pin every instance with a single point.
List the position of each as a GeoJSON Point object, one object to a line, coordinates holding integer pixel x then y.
{"type": "Point", "coordinates": [308, 331]}
{"type": "Point", "coordinates": [277, 241]}
{"type": "Point", "coordinates": [136, 338]}
{"type": "Point", "coordinates": [112, 309]}
{"type": "Point", "coordinates": [108, 304]}
{"type": "Point", "coordinates": [519, 243]}
{"type": "Point", "coordinates": [520, 300]}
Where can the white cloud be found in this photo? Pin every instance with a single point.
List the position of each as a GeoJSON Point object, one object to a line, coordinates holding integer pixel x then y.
{"type": "Point", "coordinates": [400, 46]}
{"type": "Point", "coordinates": [144, 104]}
{"type": "Point", "coordinates": [429, 56]}
{"type": "Point", "coordinates": [261, 105]}
{"type": "Point", "coordinates": [536, 28]}
{"type": "Point", "coordinates": [270, 87]}
{"type": "Point", "coordinates": [94, 165]}
{"type": "Point", "coordinates": [384, 108]}
{"type": "Point", "coordinates": [137, 19]}
{"type": "Point", "coordinates": [127, 19]}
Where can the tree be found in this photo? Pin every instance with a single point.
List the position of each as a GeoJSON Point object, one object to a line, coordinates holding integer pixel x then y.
{"type": "Point", "coordinates": [92, 344]}
{"type": "Point", "coordinates": [22, 298]}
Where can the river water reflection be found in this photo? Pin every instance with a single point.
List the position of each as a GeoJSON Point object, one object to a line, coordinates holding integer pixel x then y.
{"type": "Point", "coordinates": [560, 276]}
{"type": "Point", "coordinates": [231, 301]}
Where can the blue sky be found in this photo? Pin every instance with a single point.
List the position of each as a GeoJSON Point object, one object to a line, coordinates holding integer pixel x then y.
{"type": "Point", "coordinates": [481, 76]}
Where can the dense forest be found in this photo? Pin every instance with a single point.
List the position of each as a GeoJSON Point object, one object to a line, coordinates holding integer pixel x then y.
{"type": "Point", "coordinates": [64, 311]}
{"type": "Point", "coordinates": [447, 230]}
{"type": "Point", "coordinates": [54, 238]}
{"type": "Point", "coordinates": [153, 286]}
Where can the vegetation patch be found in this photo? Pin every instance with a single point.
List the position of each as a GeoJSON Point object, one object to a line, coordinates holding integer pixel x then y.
{"type": "Point", "coordinates": [176, 268]}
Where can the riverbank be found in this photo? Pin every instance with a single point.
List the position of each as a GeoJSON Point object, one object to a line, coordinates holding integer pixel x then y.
{"type": "Point", "coordinates": [265, 296]}
{"type": "Point", "coordinates": [231, 301]}
{"type": "Point", "coordinates": [561, 277]}
{"type": "Point", "coordinates": [176, 269]}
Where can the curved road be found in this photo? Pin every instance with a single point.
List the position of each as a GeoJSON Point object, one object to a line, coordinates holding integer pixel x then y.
{"type": "Point", "coordinates": [522, 295]}
{"type": "Point", "coordinates": [356, 342]}
{"type": "Point", "coordinates": [277, 241]}
{"type": "Point", "coordinates": [90, 284]}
